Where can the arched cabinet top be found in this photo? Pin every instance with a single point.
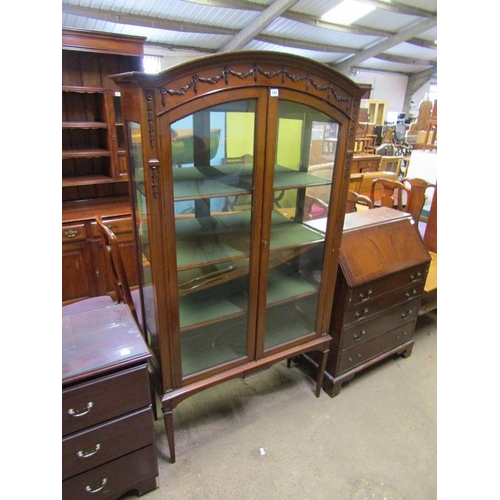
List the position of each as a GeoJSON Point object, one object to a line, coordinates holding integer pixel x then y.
{"type": "Point", "coordinates": [230, 70]}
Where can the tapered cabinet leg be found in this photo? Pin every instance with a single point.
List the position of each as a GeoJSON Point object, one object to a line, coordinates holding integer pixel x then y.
{"type": "Point", "coordinates": [168, 418]}
{"type": "Point", "coordinates": [321, 372]}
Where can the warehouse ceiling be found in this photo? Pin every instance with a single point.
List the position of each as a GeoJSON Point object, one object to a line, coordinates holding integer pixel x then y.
{"type": "Point", "coordinates": [395, 36]}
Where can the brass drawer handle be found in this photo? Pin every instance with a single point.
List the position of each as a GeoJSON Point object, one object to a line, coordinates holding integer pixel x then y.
{"type": "Point", "coordinates": [406, 314]}
{"type": "Point", "coordinates": [358, 314]}
{"type": "Point", "coordinates": [71, 233]}
{"type": "Point", "coordinates": [89, 489]}
{"type": "Point", "coordinates": [76, 414]}
{"type": "Point", "coordinates": [415, 276]}
{"type": "Point", "coordinates": [361, 295]}
{"type": "Point", "coordinates": [87, 454]}
{"type": "Point", "coordinates": [410, 294]}
{"type": "Point", "coordinates": [359, 335]}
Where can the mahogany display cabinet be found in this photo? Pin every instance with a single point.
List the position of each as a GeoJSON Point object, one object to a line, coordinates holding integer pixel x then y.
{"type": "Point", "coordinates": [234, 277]}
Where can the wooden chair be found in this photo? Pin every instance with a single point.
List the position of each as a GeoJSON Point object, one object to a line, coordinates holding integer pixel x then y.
{"type": "Point", "coordinates": [391, 164]}
{"type": "Point", "coordinates": [314, 208]}
{"type": "Point", "coordinates": [355, 181]}
{"type": "Point", "coordinates": [356, 201]}
{"type": "Point", "coordinates": [123, 293]}
{"type": "Point", "coordinates": [129, 297]}
{"type": "Point", "coordinates": [394, 194]}
{"type": "Point", "coordinates": [418, 196]}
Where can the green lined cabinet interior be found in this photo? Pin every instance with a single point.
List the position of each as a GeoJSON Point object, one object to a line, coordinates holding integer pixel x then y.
{"type": "Point", "coordinates": [238, 237]}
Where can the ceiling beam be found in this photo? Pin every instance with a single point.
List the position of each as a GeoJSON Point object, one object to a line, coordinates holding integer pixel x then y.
{"type": "Point", "coordinates": [404, 60]}
{"type": "Point", "coordinates": [258, 24]}
{"type": "Point", "coordinates": [379, 48]}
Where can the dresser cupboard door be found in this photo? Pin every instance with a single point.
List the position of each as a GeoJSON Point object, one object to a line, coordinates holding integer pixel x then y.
{"type": "Point", "coordinates": [77, 282]}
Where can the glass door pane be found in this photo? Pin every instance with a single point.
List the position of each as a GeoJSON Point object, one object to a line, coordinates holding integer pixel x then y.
{"type": "Point", "coordinates": [303, 173]}
{"type": "Point", "coordinates": [212, 161]}
{"type": "Point", "coordinates": [148, 318]}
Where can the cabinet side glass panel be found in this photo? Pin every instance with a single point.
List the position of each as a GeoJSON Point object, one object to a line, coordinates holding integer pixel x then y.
{"type": "Point", "coordinates": [304, 165]}
{"type": "Point", "coordinates": [141, 219]}
{"type": "Point", "coordinates": [212, 162]}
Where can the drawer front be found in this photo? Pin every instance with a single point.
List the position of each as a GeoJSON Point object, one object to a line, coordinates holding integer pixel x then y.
{"type": "Point", "coordinates": [118, 225]}
{"type": "Point", "coordinates": [114, 478]}
{"type": "Point", "coordinates": [374, 347]}
{"type": "Point", "coordinates": [73, 232]}
{"type": "Point", "coordinates": [366, 330]}
{"type": "Point", "coordinates": [104, 398]}
{"type": "Point", "coordinates": [363, 310]}
{"type": "Point", "coordinates": [365, 293]}
{"type": "Point", "coordinates": [100, 444]}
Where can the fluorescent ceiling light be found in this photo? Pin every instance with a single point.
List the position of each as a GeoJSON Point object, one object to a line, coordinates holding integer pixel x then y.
{"type": "Point", "coordinates": [347, 12]}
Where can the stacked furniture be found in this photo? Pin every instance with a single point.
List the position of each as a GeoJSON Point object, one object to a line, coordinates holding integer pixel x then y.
{"type": "Point", "coordinates": [234, 275]}
{"type": "Point", "coordinates": [108, 446]}
{"type": "Point", "coordinates": [94, 160]}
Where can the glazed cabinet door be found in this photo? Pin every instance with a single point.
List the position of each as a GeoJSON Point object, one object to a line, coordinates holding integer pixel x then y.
{"type": "Point", "coordinates": [296, 222]}
{"type": "Point", "coordinates": [214, 180]}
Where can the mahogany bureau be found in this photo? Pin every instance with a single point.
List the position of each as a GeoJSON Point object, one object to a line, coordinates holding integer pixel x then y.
{"type": "Point", "coordinates": [108, 446]}
{"type": "Point", "coordinates": [383, 266]}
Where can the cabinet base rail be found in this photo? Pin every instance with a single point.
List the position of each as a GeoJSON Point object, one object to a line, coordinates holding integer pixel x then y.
{"type": "Point", "coordinates": [171, 399]}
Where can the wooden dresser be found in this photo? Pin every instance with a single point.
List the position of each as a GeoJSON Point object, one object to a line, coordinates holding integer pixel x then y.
{"type": "Point", "coordinates": [382, 271]}
{"type": "Point", "coordinates": [108, 446]}
{"type": "Point", "coordinates": [365, 162]}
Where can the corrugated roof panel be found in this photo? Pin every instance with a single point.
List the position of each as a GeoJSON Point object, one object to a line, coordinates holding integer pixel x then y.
{"type": "Point", "coordinates": [288, 28]}
{"type": "Point", "coordinates": [388, 21]}
{"type": "Point", "coordinates": [314, 7]}
{"type": "Point", "coordinates": [324, 57]}
{"type": "Point", "coordinates": [181, 12]}
{"type": "Point", "coordinates": [430, 35]}
{"type": "Point", "coordinates": [410, 50]}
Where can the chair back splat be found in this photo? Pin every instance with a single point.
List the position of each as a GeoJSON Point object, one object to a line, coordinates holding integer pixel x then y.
{"type": "Point", "coordinates": [120, 280]}
{"type": "Point", "coordinates": [394, 194]}
{"type": "Point", "coordinates": [418, 197]}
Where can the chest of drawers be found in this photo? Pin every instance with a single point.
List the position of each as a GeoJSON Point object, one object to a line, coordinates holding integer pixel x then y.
{"type": "Point", "coordinates": [382, 271]}
{"type": "Point", "coordinates": [108, 446]}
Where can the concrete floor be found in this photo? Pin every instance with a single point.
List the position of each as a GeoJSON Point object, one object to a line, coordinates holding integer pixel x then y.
{"type": "Point", "coordinates": [269, 437]}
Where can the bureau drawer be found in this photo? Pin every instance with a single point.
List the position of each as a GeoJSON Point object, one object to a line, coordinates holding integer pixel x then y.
{"type": "Point", "coordinates": [365, 330]}
{"type": "Point", "coordinates": [114, 478]}
{"type": "Point", "coordinates": [375, 346]}
{"type": "Point", "coordinates": [103, 443]}
{"type": "Point", "coordinates": [104, 398]}
{"type": "Point", "coordinates": [363, 310]}
{"type": "Point", "coordinates": [365, 293]}
{"type": "Point", "coordinates": [118, 226]}
{"type": "Point", "coordinates": [73, 232]}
